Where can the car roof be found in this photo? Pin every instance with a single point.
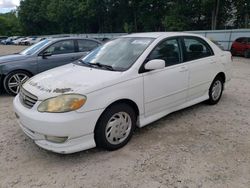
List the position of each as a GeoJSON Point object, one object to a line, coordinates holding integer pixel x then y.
{"type": "Point", "coordinates": [159, 34]}
{"type": "Point", "coordinates": [66, 38]}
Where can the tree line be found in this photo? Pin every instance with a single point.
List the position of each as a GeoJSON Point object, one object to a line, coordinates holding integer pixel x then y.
{"type": "Point", "coordinates": [41, 17]}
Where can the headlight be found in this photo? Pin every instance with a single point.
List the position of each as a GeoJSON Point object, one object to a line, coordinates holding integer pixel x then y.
{"type": "Point", "coordinates": [62, 103]}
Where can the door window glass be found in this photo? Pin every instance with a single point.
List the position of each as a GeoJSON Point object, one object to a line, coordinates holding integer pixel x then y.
{"type": "Point", "coordinates": [196, 49]}
{"type": "Point", "coordinates": [86, 45]}
{"type": "Point", "coordinates": [168, 51]}
{"type": "Point", "coordinates": [62, 47]}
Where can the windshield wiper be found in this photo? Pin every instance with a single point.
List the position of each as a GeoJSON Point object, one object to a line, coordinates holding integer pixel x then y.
{"type": "Point", "coordinates": [108, 67]}
{"type": "Point", "coordinates": [85, 63]}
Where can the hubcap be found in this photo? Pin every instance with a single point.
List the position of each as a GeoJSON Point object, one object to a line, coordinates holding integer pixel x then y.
{"type": "Point", "coordinates": [16, 81]}
{"type": "Point", "coordinates": [118, 128]}
{"type": "Point", "coordinates": [216, 90]}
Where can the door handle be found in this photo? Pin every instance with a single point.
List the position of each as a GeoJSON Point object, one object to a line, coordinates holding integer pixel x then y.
{"type": "Point", "coordinates": [183, 69]}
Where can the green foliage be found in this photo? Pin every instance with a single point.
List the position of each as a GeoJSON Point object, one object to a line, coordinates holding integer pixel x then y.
{"type": "Point", "coordinates": [9, 24]}
{"type": "Point", "coordinates": [242, 13]}
{"type": "Point", "coordinates": [38, 17]}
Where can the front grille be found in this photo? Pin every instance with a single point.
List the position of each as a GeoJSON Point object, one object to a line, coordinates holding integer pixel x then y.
{"type": "Point", "coordinates": [27, 99]}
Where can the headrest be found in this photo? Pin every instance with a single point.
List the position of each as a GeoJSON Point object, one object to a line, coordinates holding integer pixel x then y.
{"type": "Point", "coordinates": [196, 48]}
{"type": "Point", "coordinates": [169, 47]}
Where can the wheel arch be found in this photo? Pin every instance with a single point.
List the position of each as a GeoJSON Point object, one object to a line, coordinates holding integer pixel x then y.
{"type": "Point", "coordinates": [221, 75]}
{"type": "Point", "coordinates": [23, 70]}
{"type": "Point", "coordinates": [126, 101]}
{"type": "Point", "coordinates": [4, 74]}
{"type": "Point", "coordinates": [121, 101]}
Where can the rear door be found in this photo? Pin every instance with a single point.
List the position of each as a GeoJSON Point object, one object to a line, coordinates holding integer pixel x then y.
{"type": "Point", "coordinates": [84, 46]}
{"type": "Point", "coordinates": [201, 62]}
{"type": "Point", "coordinates": [62, 52]}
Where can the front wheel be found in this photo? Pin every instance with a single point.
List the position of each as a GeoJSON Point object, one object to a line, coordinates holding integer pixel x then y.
{"type": "Point", "coordinates": [115, 127]}
{"type": "Point", "coordinates": [215, 91]}
{"type": "Point", "coordinates": [233, 52]}
{"type": "Point", "coordinates": [13, 81]}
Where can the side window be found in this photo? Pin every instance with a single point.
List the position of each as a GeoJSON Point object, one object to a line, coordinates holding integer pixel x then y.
{"type": "Point", "coordinates": [195, 49]}
{"type": "Point", "coordinates": [86, 45]}
{"type": "Point", "coordinates": [168, 50]}
{"type": "Point", "coordinates": [62, 47]}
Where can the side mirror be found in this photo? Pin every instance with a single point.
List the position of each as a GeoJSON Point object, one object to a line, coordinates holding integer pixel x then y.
{"type": "Point", "coordinates": [46, 54]}
{"type": "Point", "coordinates": [155, 64]}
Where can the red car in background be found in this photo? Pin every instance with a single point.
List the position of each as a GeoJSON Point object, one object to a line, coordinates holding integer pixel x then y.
{"type": "Point", "coordinates": [241, 46]}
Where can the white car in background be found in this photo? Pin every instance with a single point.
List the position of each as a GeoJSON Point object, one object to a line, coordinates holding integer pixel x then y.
{"type": "Point", "coordinates": [130, 81]}
{"type": "Point", "coordinates": [17, 41]}
{"type": "Point", "coordinates": [27, 40]}
{"type": "Point", "coordinates": [35, 40]}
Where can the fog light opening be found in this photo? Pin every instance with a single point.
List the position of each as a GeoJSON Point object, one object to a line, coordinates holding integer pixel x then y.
{"type": "Point", "coordinates": [56, 139]}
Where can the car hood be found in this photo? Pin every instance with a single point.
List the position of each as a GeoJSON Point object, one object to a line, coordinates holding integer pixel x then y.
{"type": "Point", "coordinates": [11, 58]}
{"type": "Point", "coordinates": [70, 78]}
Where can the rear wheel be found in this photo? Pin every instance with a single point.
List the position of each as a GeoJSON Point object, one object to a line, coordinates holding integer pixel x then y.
{"type": "Point", "coordinates": [247, 54]}
{"type": "Point", "coordinates": [115, 127]}
{"type": "Point", "coordinates": [215, 90]}
{"type": "Point", "coordinates": [13, 81]}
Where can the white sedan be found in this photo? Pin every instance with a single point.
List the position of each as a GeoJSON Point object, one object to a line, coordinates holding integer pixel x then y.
{"type": "Point", "coordinates": [130, 81]}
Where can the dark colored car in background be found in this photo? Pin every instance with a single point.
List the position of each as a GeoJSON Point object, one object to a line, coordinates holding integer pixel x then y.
{"type": "Point", "coordinates": [15, 69]}
{"type": "Point", "coordinates": [9, 40]}
{"type": "Point", "coordinates": [241, 46]}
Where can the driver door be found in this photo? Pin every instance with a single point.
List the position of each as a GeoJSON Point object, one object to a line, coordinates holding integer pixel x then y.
{"type": "Point", "coordinates": [61, 53]}
{"type": "Point", "coordinates": [165, 88]}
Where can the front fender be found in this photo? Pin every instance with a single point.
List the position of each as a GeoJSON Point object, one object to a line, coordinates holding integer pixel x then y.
{"type": "Point", "coordinates": [101, 99]}
{"type": "Point", "coordinates": [29, 65]}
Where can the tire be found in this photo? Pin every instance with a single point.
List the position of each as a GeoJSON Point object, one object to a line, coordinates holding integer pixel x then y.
{"type": "Point", "coordinates": [247, 54]}
{"type": "Point", "coordinates": [215, 91]}
{"type": "Point", "coordinates": [110, 133]}
{"type": "Point", "coordinates": [233, 52]}
{"type": "Point", "coordinates": [13, 81]}
{"type": "Point", "coordinates": [1, 86]}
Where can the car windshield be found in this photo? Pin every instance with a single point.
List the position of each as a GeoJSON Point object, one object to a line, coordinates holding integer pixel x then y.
{"type": "Point", "coordinates": [118, 55]}
{"type": "Point", "coordinates": [31, 50]}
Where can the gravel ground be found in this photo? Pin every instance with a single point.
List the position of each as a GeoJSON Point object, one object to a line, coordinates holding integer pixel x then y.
{"type": "Point", "coordinates": [4, 50]}
{"type": "Point", "coordinates": [199, 147]}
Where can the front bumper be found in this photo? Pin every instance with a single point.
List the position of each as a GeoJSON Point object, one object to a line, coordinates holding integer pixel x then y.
{"type": "Point", "coordinates": [78, 127]}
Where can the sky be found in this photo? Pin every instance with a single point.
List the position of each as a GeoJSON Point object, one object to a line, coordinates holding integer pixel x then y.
{"type": "Point", "coordinates": [8, 5]}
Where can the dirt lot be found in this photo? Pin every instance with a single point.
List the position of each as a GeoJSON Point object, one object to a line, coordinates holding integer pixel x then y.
{"type": "Point", "coordinates": [198, 147]}
{"type": "Point", "coordinates": [10, 49]}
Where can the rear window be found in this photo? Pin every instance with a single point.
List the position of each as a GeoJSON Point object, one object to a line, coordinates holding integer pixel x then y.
{"type": "Point", "coordinates": [242, 39]}
{"type": "Point", "coordinates": [86, 45]}
{"type": "Point", "coordinates": [239, 40]}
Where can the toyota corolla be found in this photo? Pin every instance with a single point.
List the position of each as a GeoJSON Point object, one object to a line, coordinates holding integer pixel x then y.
{"type": "Point", "coordinates": [130, 81]}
